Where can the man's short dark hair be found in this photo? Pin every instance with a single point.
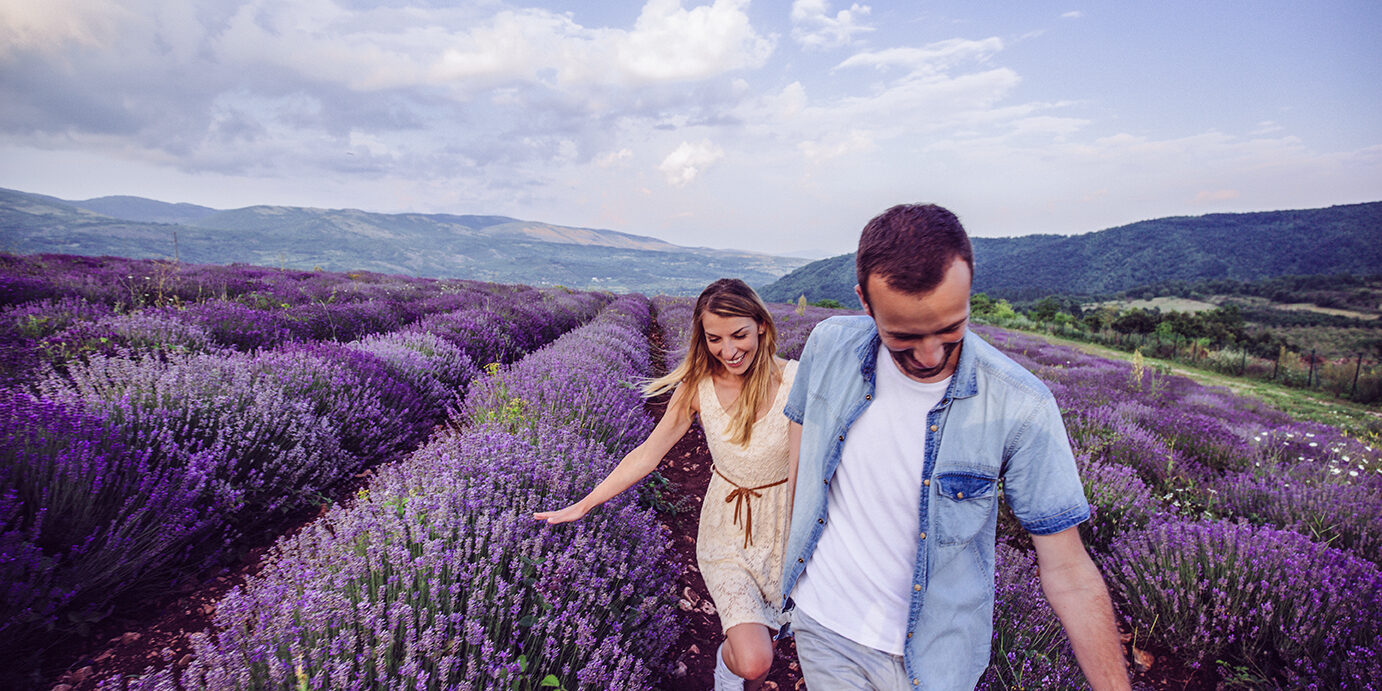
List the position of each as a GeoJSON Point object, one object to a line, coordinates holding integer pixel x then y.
{"type": "Point", "coordinates": [910, 247]}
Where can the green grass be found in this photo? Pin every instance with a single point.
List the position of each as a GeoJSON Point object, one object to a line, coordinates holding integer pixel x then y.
{"type": "Point", "coordinates": [1358, 421]}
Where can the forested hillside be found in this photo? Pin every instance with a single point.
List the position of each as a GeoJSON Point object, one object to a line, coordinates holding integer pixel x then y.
{"type": "Point", "coordinates": [1244, 247]}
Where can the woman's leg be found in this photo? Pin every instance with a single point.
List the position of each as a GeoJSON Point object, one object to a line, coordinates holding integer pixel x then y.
{"type": "Point", "coordinates": [748, 652]}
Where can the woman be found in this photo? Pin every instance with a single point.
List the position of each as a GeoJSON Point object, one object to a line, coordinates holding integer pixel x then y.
{"type": "Point", "coordinates": [732, 379]}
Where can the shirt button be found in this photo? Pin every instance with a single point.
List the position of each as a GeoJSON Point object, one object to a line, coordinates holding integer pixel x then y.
{"type": "Point", "coordinates": [916, 682]}
{"type": "Point", "coordinates": [820, 521]}
{"type": "Point", "coordinates": [909, 634]}
{"type": "Point", "coordinates": [959, 495]}
{"type": "Point", "coordinates": [934, 427]}
{"type": "Point", "coordinates": [868, 397]}
{"type": "Point", "coordinates": [926, 482]}
{"type": "Point", "coordinates": [917, 587]}
{"type": "Point", "coordinates": [842, 437]}
{"type": "Point", "coordinates": [923, 536]}
{"type": "Point", "coordinates": [801, 561]}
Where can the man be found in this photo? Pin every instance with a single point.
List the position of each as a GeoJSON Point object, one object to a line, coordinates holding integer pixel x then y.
{"type": "Point", "coordinates": [904, 424]}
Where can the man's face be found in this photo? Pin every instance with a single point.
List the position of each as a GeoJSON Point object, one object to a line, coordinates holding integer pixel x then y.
{"type": "Point", "coordinates": [922, 332]}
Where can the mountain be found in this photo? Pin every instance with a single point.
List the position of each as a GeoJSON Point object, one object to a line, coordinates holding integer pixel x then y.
{"type": "Point", "coordinates": [144, 210]}
{"type": "Point", "coordinates": [490, 248]}
{"type": "Point", "coordinates": [1245, 246]}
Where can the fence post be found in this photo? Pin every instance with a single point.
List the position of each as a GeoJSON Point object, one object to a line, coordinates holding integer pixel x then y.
{"type": "Point", "coordinates": [1353, 395]}
{"type": "Point", "coordinates": [1243, 365]}
{"type": "Point", "coordinates": [1309, 375]}
{"type": "Point", "coordinates": [1276, 365]}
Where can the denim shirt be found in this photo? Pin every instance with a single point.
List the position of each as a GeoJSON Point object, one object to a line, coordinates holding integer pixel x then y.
{"type": "Point", "coordinates": [997, 423]}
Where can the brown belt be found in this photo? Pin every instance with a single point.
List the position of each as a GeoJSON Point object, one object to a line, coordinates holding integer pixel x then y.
{"type": "Point", "coordinates": [743, 499]}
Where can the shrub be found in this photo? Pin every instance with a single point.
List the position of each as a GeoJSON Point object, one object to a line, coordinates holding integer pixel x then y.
{"type": "Point", "coordinates": [84, 517]}
{"type": "Point", "coordinates": [1030, 649]}
{"type": "Point", "coordinates": [1257, 598]}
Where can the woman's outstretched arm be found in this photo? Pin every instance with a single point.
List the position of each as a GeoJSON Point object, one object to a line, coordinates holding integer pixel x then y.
{"type": "Point", "coordinates": [637, 464]}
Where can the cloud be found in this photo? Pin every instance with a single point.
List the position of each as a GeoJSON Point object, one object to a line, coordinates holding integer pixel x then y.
{"type": "Point", "coordinates": [814, 28]}
{"type": "Point", "coordinates": [1073, 14]}
{"type": "Point", "coordinates": [672, 43]}
{"type": "Point", "coordinates": [610, 159]}
{"type": "Point", "coordinates": [288, 88]}
{"type": "Point", "coordinates": [1210, 197]}
{"type": "Point", "coordinates": [933, 58]}
{"type": "Point", "coordinates": [688, 161]}
{"type": "Point", "coordinates": [55, 25]}
{"type": "Point", "coordinates": [835, 146]}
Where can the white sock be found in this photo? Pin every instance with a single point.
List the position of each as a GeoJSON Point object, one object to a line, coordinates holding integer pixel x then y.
{"type": "Point", "coordinates": [726, 680]}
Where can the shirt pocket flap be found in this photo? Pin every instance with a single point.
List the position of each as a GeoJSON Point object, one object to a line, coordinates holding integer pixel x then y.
{"type": "Point", "coordinates": [962, 486]}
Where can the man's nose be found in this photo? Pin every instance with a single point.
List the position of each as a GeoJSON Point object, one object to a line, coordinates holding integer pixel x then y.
{"type": "Point", "coordinates": [930, 352]}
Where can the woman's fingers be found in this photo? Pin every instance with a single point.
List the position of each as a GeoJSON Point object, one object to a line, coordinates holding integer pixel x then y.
{"type": "Point", "coordinates": [565, 515]}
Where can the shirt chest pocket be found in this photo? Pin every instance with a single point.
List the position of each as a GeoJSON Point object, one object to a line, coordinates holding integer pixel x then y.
{"type": "Point", "coordinates": [964, 505]}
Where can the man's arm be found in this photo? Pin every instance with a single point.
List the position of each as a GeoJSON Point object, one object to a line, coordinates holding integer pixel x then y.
{"type": "Point", "coordinates": [1077, 593]}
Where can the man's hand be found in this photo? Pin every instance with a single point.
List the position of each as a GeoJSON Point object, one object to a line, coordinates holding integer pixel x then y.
{"type": "Point", "coordinates": [1077, 593]}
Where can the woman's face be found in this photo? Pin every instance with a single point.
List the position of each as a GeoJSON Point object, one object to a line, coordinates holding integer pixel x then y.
{"type": "Point", "coordinates": [732, 340]}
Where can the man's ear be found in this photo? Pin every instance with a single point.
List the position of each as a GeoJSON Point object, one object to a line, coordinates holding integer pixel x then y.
{"type": "Point", "coordinates": [862, 302]}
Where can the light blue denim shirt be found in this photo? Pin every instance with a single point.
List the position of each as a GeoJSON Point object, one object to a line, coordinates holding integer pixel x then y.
{"type": "Point", "coordinates": [997, 423]}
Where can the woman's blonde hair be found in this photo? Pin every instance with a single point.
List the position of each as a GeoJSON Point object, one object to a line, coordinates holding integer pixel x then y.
{"type": "Point", "coordinates": [727, 297]}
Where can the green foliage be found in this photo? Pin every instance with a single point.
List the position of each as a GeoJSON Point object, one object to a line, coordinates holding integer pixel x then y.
{"type": "Point", "coordinates": [653, 494]}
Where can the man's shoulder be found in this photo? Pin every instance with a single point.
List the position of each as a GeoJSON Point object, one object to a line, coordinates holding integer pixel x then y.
{"type": "Point", "coordinates": [996, 369]}
{"type": "Point", "coordinates": [853, 328]}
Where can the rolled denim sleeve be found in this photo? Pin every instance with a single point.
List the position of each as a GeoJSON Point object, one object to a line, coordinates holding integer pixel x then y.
{"type": "Point", "coordinates": [795, 410]}
{"type": "Point", "coordinates": [1040, 480]}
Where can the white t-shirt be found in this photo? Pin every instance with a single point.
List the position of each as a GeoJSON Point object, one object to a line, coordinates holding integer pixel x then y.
{"type": "Point", "coordinates": [858, 582]}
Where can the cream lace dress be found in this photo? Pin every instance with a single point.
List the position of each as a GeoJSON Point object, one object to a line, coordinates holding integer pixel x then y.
{"type": "Point", "coordinates": [743, 530]}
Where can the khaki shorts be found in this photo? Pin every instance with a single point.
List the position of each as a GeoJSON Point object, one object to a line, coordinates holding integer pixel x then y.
{"type": "Point", "coordinates": [831, 662]}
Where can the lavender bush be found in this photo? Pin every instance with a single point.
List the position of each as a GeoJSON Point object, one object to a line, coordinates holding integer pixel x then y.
{"type": "Point", "coordinates": [436, 368]}
{"type": "Point", "coordinates": [1119, 502]}
{"type": "Point", "coordinates": [83, 517]}
{"type": "Point", "coordinates": [1337, 514]}
{"type": "Point", "coordinates": [227, 441]}
{"type": "Point", "coordinates": [1255, 598]}
{"type": "Point", "coordinates": [1029, 649]}
{"type": "Point", "coordinates": [560, 384]}
{"type": "Point", "coordinates": [439, 578]}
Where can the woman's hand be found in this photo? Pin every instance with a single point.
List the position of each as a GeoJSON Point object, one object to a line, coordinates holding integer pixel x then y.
{"type": "Point", "coordinates": [574, 512]}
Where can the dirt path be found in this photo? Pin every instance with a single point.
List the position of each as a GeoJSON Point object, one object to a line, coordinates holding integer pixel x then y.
{"type": "Point", "coordinates": [687, 469]}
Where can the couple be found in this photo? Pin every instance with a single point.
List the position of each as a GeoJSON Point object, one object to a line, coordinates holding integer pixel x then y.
{"type": "Point", "coordinates": [883, 449]}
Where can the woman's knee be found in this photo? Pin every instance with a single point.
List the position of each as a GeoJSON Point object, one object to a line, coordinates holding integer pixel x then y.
{"type": "Point", "coordinates": [750, 660]}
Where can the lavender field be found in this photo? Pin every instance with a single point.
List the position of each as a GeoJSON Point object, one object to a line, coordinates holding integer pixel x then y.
{"type": "Point", "coordinates": [153, 414]}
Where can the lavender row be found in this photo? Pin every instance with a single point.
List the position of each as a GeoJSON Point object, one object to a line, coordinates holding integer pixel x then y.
{"type": "Point", "coordinates": [439, 578]}
{"type": "Point", "coordinates": [125, 472]}
{"type": "Point", "coordinates": [1229, 533]}
{"type": "Point", "coordinates": [71, 327]}
{"type": "Point", "coordinates": [129, 284]}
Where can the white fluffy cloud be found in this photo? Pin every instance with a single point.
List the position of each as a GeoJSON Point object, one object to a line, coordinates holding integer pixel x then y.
{"type": "Point", "coordinates": [688, 161]}
{"type": "Point", "coordinates": [934, 58]}
{"type": "Point", "coordinates": [385, 48]}
{"type": "Point", "coordinates": [814, 27]}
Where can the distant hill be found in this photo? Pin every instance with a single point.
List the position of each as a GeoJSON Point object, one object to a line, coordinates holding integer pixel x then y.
{"type": "Point", "coordinates": [144, 210]}
{"type": "Point", "coordinates": [1248, 246]}
{"type": "Point", "coordinates": [491, 248]}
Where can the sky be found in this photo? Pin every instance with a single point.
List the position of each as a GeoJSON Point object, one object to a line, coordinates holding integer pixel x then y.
{"type": "Point", "coordinates": [778, 127]}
